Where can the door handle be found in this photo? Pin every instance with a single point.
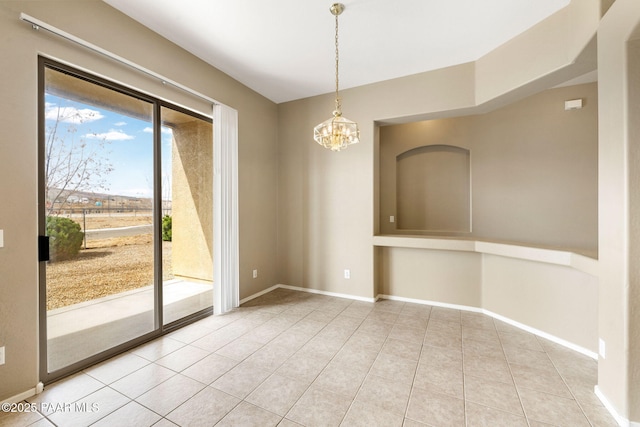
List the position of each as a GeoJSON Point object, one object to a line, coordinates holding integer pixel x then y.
{"type": "Point", "coordinates": [43, 248]}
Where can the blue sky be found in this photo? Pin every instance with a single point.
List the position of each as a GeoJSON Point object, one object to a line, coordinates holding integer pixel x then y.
{"type": "Point", "coordinates": [126, 141]}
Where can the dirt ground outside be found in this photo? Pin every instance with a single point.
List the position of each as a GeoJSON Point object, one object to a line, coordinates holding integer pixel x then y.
{"type": "Point", "coordinates": [107, 266]}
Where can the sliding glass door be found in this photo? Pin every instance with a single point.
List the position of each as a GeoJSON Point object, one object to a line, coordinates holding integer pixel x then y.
{"type": "Point", "coordinates": [125, 218]}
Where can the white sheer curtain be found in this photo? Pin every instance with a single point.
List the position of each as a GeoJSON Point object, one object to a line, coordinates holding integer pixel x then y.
{"type": "Point", "coordinates": [225, 209]}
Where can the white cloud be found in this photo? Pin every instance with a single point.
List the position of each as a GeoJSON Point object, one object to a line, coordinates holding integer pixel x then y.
{"type": "Point", "coordinates": [71, 114]}
{"type": "Point", "coordinates": [120, 124]}
{"type": "Point", "coordinates": [112, 135]}
{"type": "Point", "coordinates": [165, 130]}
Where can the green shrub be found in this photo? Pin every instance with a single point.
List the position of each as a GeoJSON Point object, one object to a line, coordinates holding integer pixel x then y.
{"type": "Point", "coordinates": [65, 238]}
{"type": "Point", "coordinates": [166, 228]}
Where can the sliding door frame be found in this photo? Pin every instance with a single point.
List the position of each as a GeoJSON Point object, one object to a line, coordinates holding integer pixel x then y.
{"type": "Point", "coordinates": [229, 263]}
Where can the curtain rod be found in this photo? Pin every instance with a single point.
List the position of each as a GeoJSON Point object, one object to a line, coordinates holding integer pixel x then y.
{"type": "Point", "coordinates": [36, 24]}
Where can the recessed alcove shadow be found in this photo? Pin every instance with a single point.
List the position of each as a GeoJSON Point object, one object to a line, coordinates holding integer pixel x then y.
{"type": "Point", "coordinates": [433, 189]}
{"type": "Point", "coordinates": [525, 173]}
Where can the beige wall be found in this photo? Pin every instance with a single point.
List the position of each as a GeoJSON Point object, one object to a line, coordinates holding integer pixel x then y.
{"type": "Point", "coordinates": [327, 213]}
{"type": "Point", "coordinates": [101, 25]}
{"type": "Point", "coordinates": [534, 168]}
{"type": "Point", "coordinates": [619, 207]}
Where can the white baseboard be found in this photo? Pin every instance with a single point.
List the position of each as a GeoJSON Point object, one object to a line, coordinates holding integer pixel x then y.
{"type": "Point", "coordinates": [331, 294]}
{"type": "Point", "coordinates": [519, 325]}
{"type": "Point", "coordinates": [259, 294]}
{"type": "Point", "coordinates": [622, 421]}
{"type": "Point", "coordinates": [22, 396]}
{"type": "Point", "coordinates": [433, 303]}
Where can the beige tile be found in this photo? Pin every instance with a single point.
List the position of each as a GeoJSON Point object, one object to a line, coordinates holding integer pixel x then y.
{"type": "Point", "coordinates": [132, 414]}
{"type": "Point", "coordinates": [394, 368]}
{"type": "Point", "coordinates": [435, 409]}
{"type": "Point", "coordinates": [389, 305]}
{"type": "Point", "coordinates": [288, 423]}
{"type": "Point", "coordinates": [390, 395]}
{"type": "Point", "coordinates": [366, 341]}
{"type": "Point", "coordinates": [540, 380]}
{"type": "Point", "coordinates": [490, 335]}
{"type": "Point", "coordinates": [340, 379]}
{"type": "Point", "coordinates": [165, 423]}
{"type": "Point", "coordinates": [599, 416]}
{"type": "Point", "coordinates": [445, 314]}
{"type": "Point", "coordinates": [113, 369]}
{"type": "Point", "coordinates": [441, 356]}
{"type": "Point", "coordinates": [354, 357]}
{"type": "Point", "coordinates": [441, 379]}
{"type": "Point", "coordinates": [552, 409]}
{"type": "Point", "coordinates": [487, 367]}
{"type": "Point", "coordinates": [158, 348]}
{"type": "Point", "coordinates": [412, 423]}
{"type": "Point", "coordinates": [308, 326]}
{"type": "Point", "coordinates": [170, 394]}
{"type": "Point", "coordinates": [277, 394]}
{"type": "Point", "coordinates": [491, 393]}
{"type": "Point", "coordinates": [453, 328]}
{"type": "Point", "coordinates": [242, 379]}
{"type": "Point", "coordinates": [323, 348]}
{"type": "Point", "coordinates": [204, 409]}
{"type": "Point", "coordinates": [443, 338]}
{"type": "Point", "coordinates": [383, 316]}
{"type": "Point", "coordinates": [248, 415]}
{"type": "Point", "coordinates": [302, 366]}
{"type": "Point", "coordinates": [483, 416]}
{"type": "Point", "coordinates": [321, 316]}
{"type": "Point", "coordinates": [375, 327]}
{"type": "Point", "coordinates": [142, 380]}
{"type": "Point", "coordinates": [19, 418]}
{"type": "Point", "coordinates": [240, 349]}
{"type": "Point", "coordinates": [292, 340]}
{"type": "Point", "coordinates": [583, 391]}
{"type": "Point", "coordinates": [357, 311]}
{"type": "Point", "coordinates": [190, 333]}
{"type": "Point", "coordinates": [535, 359]}
{"type": "Point", "coordinates": [217, 339]}
{"type": "Point", "coordinates": [476, 347]}
{"type": "Point", "coordinates": [579, 367]}
{"type": "Point", "coordinates": [520, 339]}
{"type": "Point", "coordinates": [182, 358]}
{"type": "Point", "coordinates": [412, 321]}
{"type": "Point", "coordinates": [367, 415]}
{"type": "Point", "coordinates": [89, 409]}
{"type": "Point", "coordinates": [210, 368]}
{"type": "Point", "coordinates": [271, 356]}
{"type": "Point", "coordinates": [477, 320]}
{"type": "Point", "coordinates": [43, 422]}
{"type": "Point", "coordinates": [407, 333]}
{"type": "Point", "coordinates": [318, 407]}
{"type": "Point", "coordinates": [405, 349]}
{"type": "Point", "coordinates": [68, 389]}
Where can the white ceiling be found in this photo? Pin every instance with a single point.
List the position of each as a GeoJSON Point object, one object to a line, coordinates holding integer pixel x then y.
{"type": "Point", "coordinates": [285, 50]}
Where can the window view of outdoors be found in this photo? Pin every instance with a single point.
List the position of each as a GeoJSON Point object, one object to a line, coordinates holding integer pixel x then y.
{"type": "Point", "coordinates": [99, 188]}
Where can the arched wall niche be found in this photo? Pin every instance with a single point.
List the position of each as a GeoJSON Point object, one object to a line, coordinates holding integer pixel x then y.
{"type": "Point", "coordinates": [532, 174]}
{"type": "Point", "coordinates": [433, 189]}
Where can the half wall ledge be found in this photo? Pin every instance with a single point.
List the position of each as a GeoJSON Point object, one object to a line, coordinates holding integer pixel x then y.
{"type": "Point", "coordinates": [582, 262]}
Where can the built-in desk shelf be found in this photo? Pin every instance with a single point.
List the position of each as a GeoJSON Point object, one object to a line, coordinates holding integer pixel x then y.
{"type": "Point", "coordinates": [581, 262]}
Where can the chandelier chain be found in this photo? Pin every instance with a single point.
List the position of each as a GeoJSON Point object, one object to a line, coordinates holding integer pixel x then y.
{"type": "Point", "coordinates": [338, 106]}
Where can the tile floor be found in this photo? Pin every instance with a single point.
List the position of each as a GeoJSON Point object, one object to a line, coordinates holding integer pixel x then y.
{"type": "Point", "coordinates": [292, 358]}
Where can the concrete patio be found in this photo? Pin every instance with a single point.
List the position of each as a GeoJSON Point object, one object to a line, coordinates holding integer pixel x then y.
{"type": "Point", "coordinates": [82, 330]}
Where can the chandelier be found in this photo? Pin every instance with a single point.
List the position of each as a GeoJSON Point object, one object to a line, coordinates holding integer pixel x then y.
{"type": "Point", "coordinates": [338, 132]}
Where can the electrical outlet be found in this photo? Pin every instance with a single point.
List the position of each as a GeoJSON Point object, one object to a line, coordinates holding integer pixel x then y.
{"type": "Point", "coordinates": [602, 348]}
{"type": "Point", "coordinates": [347, 274]}
{"type": "Point", "coordinates": [392, 218]}
{"type": "Point", "coordinates": [2, 355]}
{"type": "Point", "coordinates": [255, 274]}
{"type": "Point", "coordinates": [1, 238]}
